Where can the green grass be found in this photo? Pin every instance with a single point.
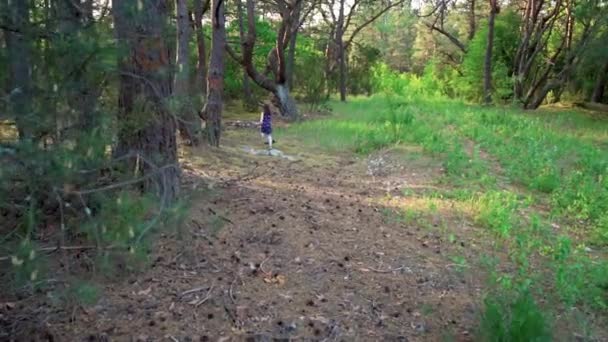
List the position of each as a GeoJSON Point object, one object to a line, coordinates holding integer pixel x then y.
{"type": "Point", "coordinates": [505, 163]}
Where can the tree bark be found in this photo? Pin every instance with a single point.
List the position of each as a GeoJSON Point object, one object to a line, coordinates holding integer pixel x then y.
{"type": "Point", "coordinates": [600, 85]}
{"type": "Point", "coordinates": [472, 20]}
{"type": "Point", "coordinates": [200, 7]}
{"type": "Point", "coordinates": [147, 127]}
{"type": "Point", "coordinates": [535, 27]}
{"type": "Point", "coordinates": [215, 79]}
{"type": "Point", "coordinates": [341, 52]}
{"type": "Point", "coordinates": [249, 101]}
{"type": "Point", "coordinates": [19, 68]}
{"type": "Point", "coordinates": [291, 59]}
{"type": "Point", "coordinates": [487, 75]}
{"type": "Point", "coordinates": [291, 55]}
{"type": "Point", "coordinates": [448, 35]}
{"type": "Point", "coordinates": [188, 122]}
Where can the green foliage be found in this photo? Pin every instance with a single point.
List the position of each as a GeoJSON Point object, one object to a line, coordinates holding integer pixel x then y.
{"type": "Point", "coordinates": [518, 320]}
{"type": "Point", "coordinates": [470, 84]}
{"type": "Point", "coordinates": [27, 265]}
{"type": "Point", "coordinates": [84, 293]}
{"type": "Point", "coordinates": [497, 211]}
{"type": "Point", "coordinates": [555, 156]}
{"type": "Point", "coordinates": [362, 59]}
{"type": "Point", "coordinates": [63, 186]}
{"type": "Point", "coordinates": [309, 80]}
{"type": "Point", "coordinates": [121, 220]}
{"type": "Point", "coordinates": [233, 74]}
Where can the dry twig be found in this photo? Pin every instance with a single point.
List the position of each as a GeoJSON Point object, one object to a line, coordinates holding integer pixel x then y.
{"type": "Point", "coordinates": [202, 301]}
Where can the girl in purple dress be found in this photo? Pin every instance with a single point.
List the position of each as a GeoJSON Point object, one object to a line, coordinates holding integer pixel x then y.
{"type": "Point", "coordinates": [266, 125]}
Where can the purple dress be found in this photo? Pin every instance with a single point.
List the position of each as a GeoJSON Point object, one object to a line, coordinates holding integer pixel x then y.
{"type": "Point", "coordinates": [266, 123]}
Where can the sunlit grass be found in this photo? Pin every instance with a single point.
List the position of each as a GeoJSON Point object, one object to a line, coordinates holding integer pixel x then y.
{"type": "Point", "coordinates": [498, 164]}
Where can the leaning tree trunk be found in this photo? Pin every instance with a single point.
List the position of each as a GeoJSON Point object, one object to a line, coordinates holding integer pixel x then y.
{"type": "Point", "coordinates": [188, 122]}
{"type": "Point", "coordinates": [541, 93]}
{"type": "Point", "coordinates": [215, 79]}
{"type": "Point", "coordinates": [19, 66]}
{"type": "Point", "coordinates": [600, 85]}
{"type": "Point", "coordinates": [275, 62]}
{"type": "Point", "coordinates": [147, 127]}
{"type": "Point", "coordinates": [487, 66]}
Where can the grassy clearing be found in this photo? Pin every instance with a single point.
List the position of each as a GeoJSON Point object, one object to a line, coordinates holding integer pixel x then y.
{"type": "Point", "coordinates": [537, 182]}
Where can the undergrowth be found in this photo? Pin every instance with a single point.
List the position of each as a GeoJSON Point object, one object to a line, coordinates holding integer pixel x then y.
{"type": "Point", "coordinates": [556, 160]}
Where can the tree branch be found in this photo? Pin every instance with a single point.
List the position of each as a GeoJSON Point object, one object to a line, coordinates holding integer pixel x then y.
{"type": "Point", "coordinates": [369, 21]}
{"type": "Point", "coordinates": [448, 35]}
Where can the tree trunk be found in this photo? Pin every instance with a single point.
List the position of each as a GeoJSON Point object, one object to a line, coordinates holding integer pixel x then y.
{"type": "Point", "coordinates": [215, 79]}
{"type": "Point", "coordinates": [188, 122]}
{"type": "Point", "coordinates": [539, 96]}
{"type": "Point", "coordinates": [201, 66]}
{"type": "Point", "coordinates": [472, 20]}
{"type": "Point", "coordinates": [291, 55]}
{"type": "Point", "coordinates": [147, 127]}
{"type": "Point", "coordinates": [600, 85]}
{"type": "Point", "coordinates": [291, 59]}
{"type": "Point", "coordinates": [19, 68]}
{"type": "Point", "coordinates": [341, 52]}
{"type": "Point", "coordinates": [487, 67]}
{"type": "Point", "coordinates": [249, 101]}
{"type": "Point", "coordinates": [287, 103]}
{"type": "Point", "coordinates": [342, 74]}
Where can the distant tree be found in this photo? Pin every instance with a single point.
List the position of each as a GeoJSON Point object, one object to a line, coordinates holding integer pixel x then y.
{"type": "Point", "coordinates": [200, 8]}
{"type": "Point", "coordinates": [600, 84]}
{"type": "Point", "coordinates": [487, 66]}
{"type": "Point", "coordinates": [249, 100]}
{"type": "Point", "coordinates": [188, 122]}
{"type": "Point", "coordinates": [340, 24]}
{"type": "Point", "coordinates": [275, 80]}
{"type": "Point", "coordinates": [16, 19]}
{"type": "Point", "coordinates": [215, 78]}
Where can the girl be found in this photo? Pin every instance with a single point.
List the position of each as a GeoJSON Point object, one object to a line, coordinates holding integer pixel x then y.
{"type": "Point", "coordinates": [266, 125]}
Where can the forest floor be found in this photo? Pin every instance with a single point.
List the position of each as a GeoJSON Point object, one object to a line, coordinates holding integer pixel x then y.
{"type": "Point", "coordinates": [303, 250]}
{"type": "Point", "coordinates": [331, 246]}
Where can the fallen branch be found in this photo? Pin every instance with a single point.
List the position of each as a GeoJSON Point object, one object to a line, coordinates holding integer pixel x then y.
{"type": "Point", "coordinates": [390, 270]}
{"type": "Point", "coordinates": [202, 301]}
{"type": "Point", "coordinates": [219, 216]}
{"type": "Point", "coordinates": [191, 291]}
{"type": "Point", "coordinates": [262, 265]}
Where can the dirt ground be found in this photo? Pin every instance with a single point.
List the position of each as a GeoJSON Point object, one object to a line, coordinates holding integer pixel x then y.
{"type": "Point", "coordinates": [305, 250]}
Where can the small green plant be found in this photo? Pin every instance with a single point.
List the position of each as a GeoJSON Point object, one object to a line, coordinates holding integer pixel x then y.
{"type": "Point", "coordinates": [84, 293]}
{"type": "Point", "coordinates": [496, 210]}
{"type": "Point", "coordinates": [460, 263]}
{"type": "Point", "coordinates": [27, 264]}
{"type": "Point", "coordinates": [518, 320]}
